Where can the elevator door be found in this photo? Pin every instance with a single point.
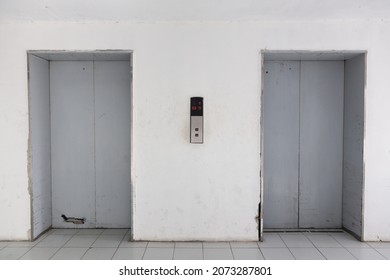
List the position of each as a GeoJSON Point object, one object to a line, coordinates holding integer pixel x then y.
{"type": "Point", "coordinates": [90, 139]}
{"type": "Point", "coordinates": [303, 141]}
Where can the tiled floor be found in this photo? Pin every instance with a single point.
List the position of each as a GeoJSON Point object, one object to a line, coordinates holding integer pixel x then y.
{"type": "Point", "coordinates": [100, 244]}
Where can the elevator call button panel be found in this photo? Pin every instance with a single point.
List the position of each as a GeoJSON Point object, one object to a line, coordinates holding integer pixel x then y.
{"type": "Point", "coordinates": [196, 122]}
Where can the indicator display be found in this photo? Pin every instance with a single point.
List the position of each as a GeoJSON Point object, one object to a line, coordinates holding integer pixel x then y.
{"type": "Point", "coordinates": [196, 106]}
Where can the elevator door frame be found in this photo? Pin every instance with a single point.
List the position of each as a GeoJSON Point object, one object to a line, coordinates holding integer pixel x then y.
{"type": "Point", "coordinates": [77, 55]}
{"type": "Point", "coordinates": [270, 55]}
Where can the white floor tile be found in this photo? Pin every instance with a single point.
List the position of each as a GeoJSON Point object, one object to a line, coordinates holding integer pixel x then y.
{"type": "Point", "coordinates": [69, 254]}
{"type": "Point", "coordinates": [158, 253]}
{"type": "Point", "coordinates": [217, 254]}
{"type": "Point", "coordinates": [99, 254]}
{"type": "Point", "coordinates": [13, 253]}
{"type": "Point", "coordinates": [340, 235]}
{"type": "Point", "coordinates": [108, 241]}
{"type": "Point", "coordinates": [244, 245]}
{"type": "Point", "coordinates": [83, 241]}
{"type": "Point", "coordinates": [188, 245]}
{"type": "Point", "coordinates": [350, 243]}
{"type": "Point", "coordinates": [23, 244]}
{"type": "Point", "coordinates": [247, 254]}
{"type": "Point", "coordinates": [384, 252]}
{"type": "Point", "coordinates": [306, 254]}
{"type": "Point", "coordinates": [270, 233]}
{"type": "Point", "coordinates": [39, 254]}
{"type": "Point", "coordinates": [296, 240]}
{"type": "Point", "coordinates": [277, 254]}
{"type": "Point", "coordinates": [115, 231]}
{"type": "Point", "coordinates": [133, 244]}
{"type": "Point", "coordinates": [379, 244]}
{"type": "Point", "coordinates": [188, 254]}
{"type": "Point", "coordinates": [323, 240]}
{"type": "Point", "coordinates": [54, 240]}
{"type": "Point", "coordinates": [127, 237]}
{"type": "Point", "coordinates": [40, 238]}
{"type": "Point", "coordinates": [104, 242]}
{"type": "Point", "coordinates": [347, 240]}
{"type": "Point", "coordinates": [365, 254]}
{"type": "Point", "coordinates": [129, 254]}
{"type": "Point", "coordinates": [336, 254]}
{"type": "Point", "coordinates": [272, 241]}
{"type": "Point", "coordinates": [216, 245]}
{"type": "Point", "coordinates": [90, 231]}
{"type": "Point", "coordinates": [68, 231]}
{"type": "Point", "coordinates": [161, 244]}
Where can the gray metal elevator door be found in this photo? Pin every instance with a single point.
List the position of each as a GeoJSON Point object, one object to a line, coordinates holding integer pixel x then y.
{"type": "Point", "coordinates": [303, 141]}
{"type": "Point", "coordinates": [281, 144]}
{"type": "Point", "coordinates": [90, 139]}
{"type": "Point", "coordinates": [72, 141]}
{"type": "Point", "coordinates": [321, 144]}
{"type": "Point", "coordinates": [112, 143]}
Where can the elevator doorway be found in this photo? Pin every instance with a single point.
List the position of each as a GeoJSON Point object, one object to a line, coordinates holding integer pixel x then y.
{"type": "Point", "coordinates": [312, 141]}
{"type": "Point", "coordinates": [80, 125]}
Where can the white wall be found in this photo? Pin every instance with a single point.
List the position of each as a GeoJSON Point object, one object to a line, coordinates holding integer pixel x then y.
{"type": "Point", "coordinates": [184, 191]}
{"type": "Point", "coordinates": [198, 10]}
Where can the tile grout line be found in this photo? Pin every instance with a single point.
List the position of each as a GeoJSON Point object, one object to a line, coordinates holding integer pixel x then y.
{"type": "Point", "coordinates": [35, 246]}
{"type": "Point", "coordinates": [116, 250]}
{"type": "Point", "coordinates": [370, 245]}
{"type": "Point", "coordinates": [146, 247]}
{"type": "Point", "coordinates": [74, 234]}
{"type": "Point", "coordinates": [386, 258]}
{"type": "Point", "coordinates": [342, 246]}
{"type": "Point", "coordinates": [24, 247]}
{"type": "Point", "coordinates": [96, 240]}
{"type": "Point", "coordinates": [85, 253]}
{"type": "Point", "coordinates": [90, 247]}
{"type": "Point", "coordinates": [174, 250]}
{"type": "Point", "coordinates": [375, 249]}
{"type": "Point", "coordinates": [351, 253]}
{"type": "Point", "coordinates": [54, 253]}
{"type": "Point", "coordinates": [56, 249]}
{"type": "Point", "coordinates": [318, 250]}
{"type": "Point", "coordinates": [27, 251]}
{"type": "Point", "coordinates": [231, 250]}
{"type": "Point", "coordinates": [287, 247]}
{"type": "Point", "coordinates": [261, 252]}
